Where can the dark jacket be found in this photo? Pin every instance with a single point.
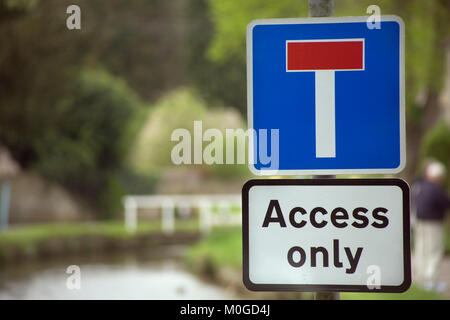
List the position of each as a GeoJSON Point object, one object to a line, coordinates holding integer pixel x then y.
{"type": "Point", "coordinates": [429, 200]}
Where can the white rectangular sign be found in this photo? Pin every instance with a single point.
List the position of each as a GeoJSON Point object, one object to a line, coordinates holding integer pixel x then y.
{"type": "Point", "coordinates": [326, 235]}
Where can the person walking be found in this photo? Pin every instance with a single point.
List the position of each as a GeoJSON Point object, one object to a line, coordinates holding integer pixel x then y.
{"type": "Point", "coordinates": [430, 203]}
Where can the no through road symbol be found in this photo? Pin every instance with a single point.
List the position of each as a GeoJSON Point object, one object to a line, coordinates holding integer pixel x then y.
{"type": "Point", "coordinates": [324, 57]}
{"type": "Point", "coordinates": [334, 90]}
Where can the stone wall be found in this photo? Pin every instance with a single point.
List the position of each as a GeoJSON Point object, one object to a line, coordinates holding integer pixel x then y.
{"type": "Point", "coordinates": [36, 200]}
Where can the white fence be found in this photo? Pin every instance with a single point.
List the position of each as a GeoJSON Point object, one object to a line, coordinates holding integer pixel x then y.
{"type": "Point", "coordinates": [185, 203]}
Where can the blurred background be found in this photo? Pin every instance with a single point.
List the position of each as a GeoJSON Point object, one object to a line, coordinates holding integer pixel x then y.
{"type": "Point", "coordinates": [86, 117]}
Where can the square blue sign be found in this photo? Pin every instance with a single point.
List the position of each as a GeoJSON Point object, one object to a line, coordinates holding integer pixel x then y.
{"type": "Point", "coordinates": [326, 96]}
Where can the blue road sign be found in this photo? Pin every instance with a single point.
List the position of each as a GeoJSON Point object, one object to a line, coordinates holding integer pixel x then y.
{"type": "Point", "coordinates": [326, 96]}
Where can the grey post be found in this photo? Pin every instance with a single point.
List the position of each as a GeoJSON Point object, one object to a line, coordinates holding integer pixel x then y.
{"type": "Point", "coordinates": [323, 8]}
{"type": "Point", "coordinates": [4, 205]}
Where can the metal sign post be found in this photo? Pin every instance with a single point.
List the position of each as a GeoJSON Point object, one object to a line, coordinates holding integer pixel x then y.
{"type": "Point", "coordinates": [323, 8]}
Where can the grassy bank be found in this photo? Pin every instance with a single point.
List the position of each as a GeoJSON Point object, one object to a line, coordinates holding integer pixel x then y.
{"type": "Point", "coordinates": [41, 240]}
{"type": "Point", "coordinates": [223, 249]}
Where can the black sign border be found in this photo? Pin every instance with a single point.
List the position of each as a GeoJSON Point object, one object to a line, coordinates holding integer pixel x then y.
{"type": "Point", "coordinates": [327, 182]}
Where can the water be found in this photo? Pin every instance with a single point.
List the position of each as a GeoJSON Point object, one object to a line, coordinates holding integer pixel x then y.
{"type": "Point", "coordinates": [154, 276]}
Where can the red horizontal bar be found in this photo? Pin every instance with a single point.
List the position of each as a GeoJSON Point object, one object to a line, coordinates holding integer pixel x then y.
{"type": "Point", "coordinates": [325, 55]}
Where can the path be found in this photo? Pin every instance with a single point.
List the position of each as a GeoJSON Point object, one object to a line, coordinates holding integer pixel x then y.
{"type": "Point", "coordinates": [444, 275]}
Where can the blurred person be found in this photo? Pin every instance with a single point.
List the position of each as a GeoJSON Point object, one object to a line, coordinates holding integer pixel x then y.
{"type": "Point", "coordinates": [430, 203]}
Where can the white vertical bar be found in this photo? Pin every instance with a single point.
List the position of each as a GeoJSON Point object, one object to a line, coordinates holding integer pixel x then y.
{"type": "Point", "coordinates": [130, 215]}
{"type": "Point", "coordinates": [224, 212]}
{"type": "Point", "coordinates": [205, 217]}
{"type": "Point", "coordinates": [325, 115]}
{"type": "Point", "coordinates": [168, 217]}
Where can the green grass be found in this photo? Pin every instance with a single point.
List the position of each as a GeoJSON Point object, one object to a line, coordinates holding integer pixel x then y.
{"type": "Point", "coordinates": [447, 241]}
{"type": "Point", "coordinates": [223, 248]}
{"type": "Point", "coordinates": [29, 237]}
{"type": "Point", "coordinates": [414, 293]}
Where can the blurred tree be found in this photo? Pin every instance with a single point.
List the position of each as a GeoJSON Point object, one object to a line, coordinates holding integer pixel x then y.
{"type": "Point", "coordinates": [179, 109]}
{"type": "Point", "coordinates": [39, 56]}
{"type": "Point", "coordinates": [232, 17]}
{"type": "Point", "coordinates": [89, 141]}
{"type": "Point", "coordinates": [32, 77]}
{"type": "Point", "coordinates": [436, 144]}
{"type": "Point", "coordinates": [70, 126]}
{"type": "Point", "coordinates": [139, 40]}
{"type": "Point", "coordinates": [427, 44]}
{"type": "Point", "coordinates": [13, 9]}
{"type": "Point", "coordinates": [215, 50]}
{"type": "Point", "coordinates": [218, 83]}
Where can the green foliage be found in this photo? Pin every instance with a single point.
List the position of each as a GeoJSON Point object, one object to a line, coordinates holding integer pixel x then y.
{"type": "Point", "coordinates": [134, 182]}
{"type": "Point", "coordinates": [447, 238]}
{"type": "Point", "coordinates": [426, 24]}
{"type": "Point", "coordinates": [39, 57]}
{"type": "Point", "coordinates": [88, 143]}
{"type": "Point", "coordinates": [109, 200]}
{"type": "Point", "coordinates": [215, 57]}
{"type": "Point", "coordinates": [179, 109]}
{"type": "Point", "coordinates": [232, 17]}
{"type": "Point", "coordinates": [224, 119]}
{"type": "Point", "coordinates": [222, 83]}
{"type": "Point", "coordinates": [413, 293]}
{"type": "Point", "coordinates": [223, 248]}
{"type": "Point", "coordinates": [11, 9]}
{"type": "Point", "coordinates": [28, 235]}
{"type": "Point", "coordinates": [139, 40]}
{"type": "Point", "coordinates": [436, 144]}
{"type": "Point", "coordinates": [27, 241]}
